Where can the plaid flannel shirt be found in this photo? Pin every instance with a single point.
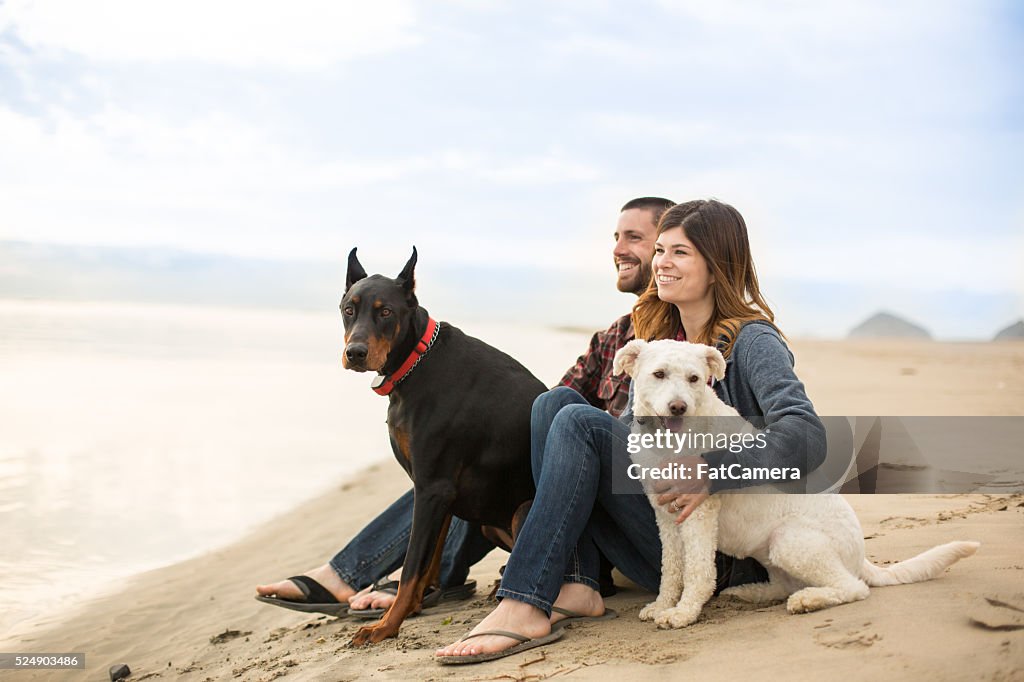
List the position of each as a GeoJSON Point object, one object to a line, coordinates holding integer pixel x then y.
{"type": "Point", "coordinates": [591, 376]}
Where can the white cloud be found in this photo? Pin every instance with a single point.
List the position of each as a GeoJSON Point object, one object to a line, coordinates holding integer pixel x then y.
{"type": "Point", "coordinates": [119, 177]}
{"type": "Point", "coordinates": [303, 34]}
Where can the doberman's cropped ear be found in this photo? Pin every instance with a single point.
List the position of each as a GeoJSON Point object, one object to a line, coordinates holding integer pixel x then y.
{"type": "Point", "coordinates": [406, 277]}
{"type": "Point", "coordinates": [625, 359]}
{"type": "Point", "coordinates": [355, 270]}
{"type": "Point", "coordinates": [716, 362]}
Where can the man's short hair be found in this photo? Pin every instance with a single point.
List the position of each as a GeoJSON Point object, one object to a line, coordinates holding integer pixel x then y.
{"type": "Point", "coordinates": [656, 205]}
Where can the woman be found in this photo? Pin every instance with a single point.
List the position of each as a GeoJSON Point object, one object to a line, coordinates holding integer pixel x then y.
{"type": "Point", "coordinates": [704, 290]}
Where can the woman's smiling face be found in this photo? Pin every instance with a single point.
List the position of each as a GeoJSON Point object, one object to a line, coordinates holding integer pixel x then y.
{"type": "Point", "coordinates": [680, 271]}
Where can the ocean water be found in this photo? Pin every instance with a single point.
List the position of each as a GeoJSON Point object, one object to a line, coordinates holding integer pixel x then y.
{"type": "Point", "coordinates": [133, 436]}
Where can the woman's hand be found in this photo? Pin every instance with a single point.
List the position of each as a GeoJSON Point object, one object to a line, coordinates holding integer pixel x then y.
{"type": "Point", "coordinates": [684, 504]}
{"type": "Point", "coordinates": [683, 495]}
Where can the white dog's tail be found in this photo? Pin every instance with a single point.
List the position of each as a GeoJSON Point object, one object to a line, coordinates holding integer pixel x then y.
{"type": "Point", "coordinates": [924, 566]}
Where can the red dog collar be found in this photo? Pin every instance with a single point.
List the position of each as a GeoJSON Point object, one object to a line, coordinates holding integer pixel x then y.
{"type": "Point", "coordinates": [383, 385]}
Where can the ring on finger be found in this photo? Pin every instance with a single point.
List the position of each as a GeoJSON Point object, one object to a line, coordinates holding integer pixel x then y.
{"type": "Point", "coordinates": [673, 506]}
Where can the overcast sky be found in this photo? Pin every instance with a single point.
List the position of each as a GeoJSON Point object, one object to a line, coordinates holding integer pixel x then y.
{"type": "Point", "coordinates": [868, 144]}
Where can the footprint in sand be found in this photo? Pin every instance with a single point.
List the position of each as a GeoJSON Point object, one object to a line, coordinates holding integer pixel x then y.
{"type": "Point", "coordinates": [854, 639]}
{"type": "Point", "coordinates": [901, 522]}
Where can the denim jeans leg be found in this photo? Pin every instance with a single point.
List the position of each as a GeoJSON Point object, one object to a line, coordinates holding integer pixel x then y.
{"type": "Point", "coordinates": [464, 547]}
{"type": "Point", "coordinates": [630, 546]}
{"type": "Point", "coordinates": [623, 525]}
{"type": "Point", "coordinates": [380, 548]}
{"type": "Point", "coordinates": [568, 439]}
{"type": "Point", "coordinates": [545, 407]}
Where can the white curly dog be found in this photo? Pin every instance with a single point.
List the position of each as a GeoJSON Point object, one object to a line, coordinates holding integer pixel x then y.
{"type": "Point", "coordinates": [811, 545]}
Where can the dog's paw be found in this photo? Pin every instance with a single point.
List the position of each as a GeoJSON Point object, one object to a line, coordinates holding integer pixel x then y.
{"type": "Point", "coordinates": [677, 617]}
{"type": "Point", "coordinates": [651, 611]}
{"type": "Point", "coordinates": [807, 600]}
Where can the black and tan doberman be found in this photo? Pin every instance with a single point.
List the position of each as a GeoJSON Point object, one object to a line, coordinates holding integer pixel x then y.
{"type": "Point", "coordinates": [458, 417]}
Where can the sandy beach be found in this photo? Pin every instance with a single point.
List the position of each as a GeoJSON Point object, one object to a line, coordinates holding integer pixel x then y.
{"type": "Point", "coordinates": [197, 620]}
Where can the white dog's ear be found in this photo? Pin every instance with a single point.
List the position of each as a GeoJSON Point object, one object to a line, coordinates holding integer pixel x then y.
{"type": "Point", "coordinates": [625, 359]}
{"type": "Point", "coordinates": [716, 363]}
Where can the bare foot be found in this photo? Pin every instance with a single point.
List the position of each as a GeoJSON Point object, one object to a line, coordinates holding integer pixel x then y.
{"type": "Point", "coordinates": [578, 598]}
{"type": "Point", "coordinates": [325, 575]}
{"type": "Point", "coordinates": [369, 598]}
{"type": "Point", "coordinates": [511, 615]}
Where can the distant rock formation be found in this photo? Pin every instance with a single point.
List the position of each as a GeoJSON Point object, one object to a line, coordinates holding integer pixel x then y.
{"type": "Point", "coordinates": [888, 326]}
{"type": "Point", "coordinates": [1015, 332]}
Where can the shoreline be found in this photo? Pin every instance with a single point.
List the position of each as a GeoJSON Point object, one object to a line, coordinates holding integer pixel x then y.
{"type": "Point", "coordinates": [288, 531]}
{"type": "Point", "coordinates": [79, 599]}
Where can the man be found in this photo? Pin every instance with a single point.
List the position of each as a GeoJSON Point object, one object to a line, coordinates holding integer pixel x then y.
{"type": "Point", "coordinates": [379, 549]}
{"type": "Point", "coordinates": [635, 234]}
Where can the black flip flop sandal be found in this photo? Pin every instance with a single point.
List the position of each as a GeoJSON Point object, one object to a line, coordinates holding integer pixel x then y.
{"type": "Point", "coordinates": [316, 599]}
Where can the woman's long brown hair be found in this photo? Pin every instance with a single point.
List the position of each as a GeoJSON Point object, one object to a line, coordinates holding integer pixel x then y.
{"type": "Point", "coordinates": [718, 232]}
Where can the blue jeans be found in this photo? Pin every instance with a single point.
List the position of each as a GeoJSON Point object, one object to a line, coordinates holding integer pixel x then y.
{"type": "Point", "coordinates": [380, 548]}
{"type": "Point", "coordinates": [575, 515]}
{"type": "Point", "coordinates": [575, 449]}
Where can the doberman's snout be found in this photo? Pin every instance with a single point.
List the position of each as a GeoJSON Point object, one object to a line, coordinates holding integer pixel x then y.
{"type": "Point", "coordinates": [355, 353]}
{"type": "Point", "coordinates": [677, 408]}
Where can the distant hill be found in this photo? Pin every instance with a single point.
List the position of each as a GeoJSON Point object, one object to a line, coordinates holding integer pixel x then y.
{"type": "Point", "coordinates": [1015, 332]}
{"type": "Point", "coordinates": [888, 326]}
